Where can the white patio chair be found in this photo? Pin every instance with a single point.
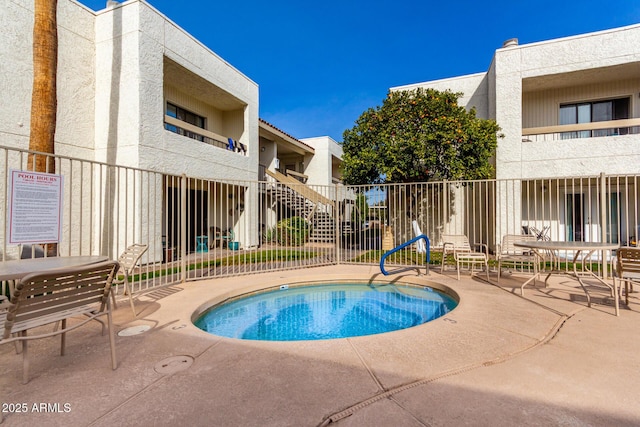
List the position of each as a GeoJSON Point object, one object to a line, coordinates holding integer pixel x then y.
{"type": "Point", "coordinates": [128, 261]}
{"type": "Point", "coordinates": [458, 245]}
{"type": "Point", "coordinates": [508, 253]}
{"type": "Point", "coordinates": [628, 268]}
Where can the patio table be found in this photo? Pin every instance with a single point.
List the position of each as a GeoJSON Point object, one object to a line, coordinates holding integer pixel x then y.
{"type": "Point", "coordinates": [582, 250]}
{"type": "Point", "coordinates": [17, 269]}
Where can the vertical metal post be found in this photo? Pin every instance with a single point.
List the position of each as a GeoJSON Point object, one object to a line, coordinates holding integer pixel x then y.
{"type": "Point", "coordinates": [183, 228]}
{"type": "Point", "coordinates": [603, 221]}
{"type": "Point", "coordinates": [338, 224]}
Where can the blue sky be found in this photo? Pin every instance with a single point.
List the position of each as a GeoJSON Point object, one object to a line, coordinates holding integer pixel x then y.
{"type": "Point", "coordinates": [320, 65]}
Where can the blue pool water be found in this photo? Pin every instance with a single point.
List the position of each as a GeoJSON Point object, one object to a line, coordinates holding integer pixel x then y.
{"type": "Point", "coordinates": [325, 312]}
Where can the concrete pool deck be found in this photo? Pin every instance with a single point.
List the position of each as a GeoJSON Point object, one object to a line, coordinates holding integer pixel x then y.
{"type": "Point", "coordinates": [497, 359]}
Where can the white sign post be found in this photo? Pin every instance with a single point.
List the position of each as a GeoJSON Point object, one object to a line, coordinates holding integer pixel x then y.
{"type": "Point", "coordinates": [35, 207]}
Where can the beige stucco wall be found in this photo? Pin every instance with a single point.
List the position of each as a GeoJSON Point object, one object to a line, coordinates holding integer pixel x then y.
{"type": "Point", "coordinates": [318, 165]}
{"type": "Point", "coordinates": [524, 87]}
{"type": "Point", "coordinates": [132, 41]}
{"type": "Point", "coordinates": [554, 63]}
{"type": "Point", "coordinates": [593, 50]}
{"type": "Point", "coordinates": [537, 78]}
{"type": "Point", "coordinates": [75, 79]}
{"type": "Point", "coordinates": [541, 107]}
{"type": "Point", "coordinates": [214, 116]}
{"type": "Point", "coordinates": [473, 87]}
{"type": "Point", "coordinates": [110, 89]}
{"type": "Point", "coordinates": [111, 109]}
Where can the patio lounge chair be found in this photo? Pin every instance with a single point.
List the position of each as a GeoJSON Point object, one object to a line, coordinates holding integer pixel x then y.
{"type": "Point", "coordinates": [514, 256]}
{"type": "Point", "coordinates": [459, 246]}
{"type": "Point", "coordinates": [128, 261]}
{"type": "Point", "coordinates": [628, 268]}
{"type": "Point", "coordinates": [50, 297]}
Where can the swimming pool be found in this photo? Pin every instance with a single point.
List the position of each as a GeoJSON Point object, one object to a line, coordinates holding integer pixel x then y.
{"type": "Point", "coordinates": [325, 311]}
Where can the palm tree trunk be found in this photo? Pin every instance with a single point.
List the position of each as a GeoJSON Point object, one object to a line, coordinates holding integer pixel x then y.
{"type": "Point", "coordinates": [43, 97]}
{"type": "Point", "coordinates": [44, 102]}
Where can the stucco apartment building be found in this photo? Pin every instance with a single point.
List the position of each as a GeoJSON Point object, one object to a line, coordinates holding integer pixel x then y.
{"type": "Point", "coordinates": [123, 74]}
{"type": "Point", "coordinates": [136, 90]}
{"type": "Point", "coordinates": [568, 108]}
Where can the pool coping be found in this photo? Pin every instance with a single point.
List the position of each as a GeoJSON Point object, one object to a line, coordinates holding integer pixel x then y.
{"type": "Point", "coordinates": [219, 302]}
{"type": "Point", "coordinates": [496, 353]}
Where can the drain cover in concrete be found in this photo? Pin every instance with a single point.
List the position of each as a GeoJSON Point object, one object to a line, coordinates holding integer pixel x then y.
{"type": "Point", "coordinates": [134, 330]}
{"type": "Point", "coordinates": [173, 364]}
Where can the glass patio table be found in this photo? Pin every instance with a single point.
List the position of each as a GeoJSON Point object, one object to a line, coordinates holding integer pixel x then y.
{"type": "Point", "coordinates": [582, 251]}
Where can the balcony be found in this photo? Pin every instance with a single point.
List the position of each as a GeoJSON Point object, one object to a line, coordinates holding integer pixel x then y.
{"type": "Point", "coordinates": [582, 130]}
{"type": "Point", "coordinates": [183, 128]}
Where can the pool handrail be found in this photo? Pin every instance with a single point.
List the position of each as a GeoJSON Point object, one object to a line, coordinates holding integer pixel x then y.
{"type": "Point", "coordinates": [404, 245]}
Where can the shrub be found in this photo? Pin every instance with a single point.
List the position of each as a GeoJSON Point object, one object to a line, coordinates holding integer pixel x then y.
{"type": "Point", "coordinates": [292, 231]}
{"type": "Point", "coordinates": [270, 235]}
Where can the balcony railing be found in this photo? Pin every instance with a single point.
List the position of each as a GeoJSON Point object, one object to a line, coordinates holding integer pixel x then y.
{"type": "Point", "coordinates": [581, 130]}
{"type": "Point", "coordinates": [186, 129]}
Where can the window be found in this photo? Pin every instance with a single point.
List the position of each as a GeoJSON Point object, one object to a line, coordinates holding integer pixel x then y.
{"type": "Point", "coordinates": [186, 116]}
{"type": "Point", "coordinates": [597, 111]}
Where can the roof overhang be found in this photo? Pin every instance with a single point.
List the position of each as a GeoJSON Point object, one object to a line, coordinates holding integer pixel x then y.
{"type": "Point", "coordinates": [285, 142]}
{"type": "Point", "coordinates": [588, 76]}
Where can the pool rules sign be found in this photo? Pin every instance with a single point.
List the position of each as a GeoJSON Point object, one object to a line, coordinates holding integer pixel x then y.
{"type": "Point", "coordinates": [35, 207]}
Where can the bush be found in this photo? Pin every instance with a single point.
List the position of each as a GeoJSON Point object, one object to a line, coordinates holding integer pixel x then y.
{"type": "Point", "coordinates": [292, 231]}
{"type": "Point", "coordinates": [270, 235]}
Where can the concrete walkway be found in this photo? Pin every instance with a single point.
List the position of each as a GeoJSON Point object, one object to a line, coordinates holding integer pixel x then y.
{"type": "Point", "coordinates": [497, 359]}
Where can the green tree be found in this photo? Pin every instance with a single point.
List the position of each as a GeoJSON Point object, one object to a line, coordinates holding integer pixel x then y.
{"type": "Point", "coordinates": [416, 136]}
{"type": "Point", "coordinates": [361, 212]}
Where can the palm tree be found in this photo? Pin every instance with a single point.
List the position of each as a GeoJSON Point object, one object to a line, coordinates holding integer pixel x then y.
{"type": "Point", "coordinates": [43, 98]}
{"type": "Point", "coordinates": [44, 102]}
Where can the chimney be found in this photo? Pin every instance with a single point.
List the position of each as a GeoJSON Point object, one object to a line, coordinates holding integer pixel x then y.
{"type": "Point", "coordinates": [510, 42]}
{"type": "Point", "coordinates": [111, 3]}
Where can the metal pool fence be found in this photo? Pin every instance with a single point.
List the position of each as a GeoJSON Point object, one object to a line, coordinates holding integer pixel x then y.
{"type": "Point", "coordinates": [202, 227]}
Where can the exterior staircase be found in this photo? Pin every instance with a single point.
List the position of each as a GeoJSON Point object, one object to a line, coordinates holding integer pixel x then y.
{"type": "Point", "coordinates": [315, 208]}
{"type": "Point", "coordinates": [324, 228]}
{"type": "Point", "coordinates": [293, 201]}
